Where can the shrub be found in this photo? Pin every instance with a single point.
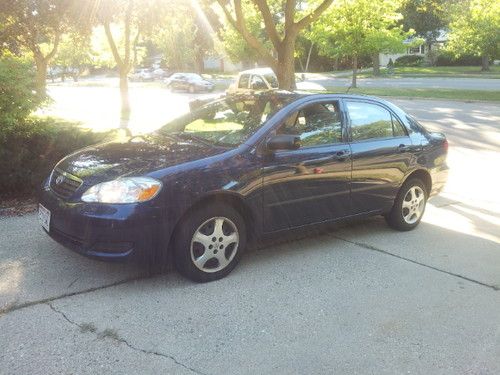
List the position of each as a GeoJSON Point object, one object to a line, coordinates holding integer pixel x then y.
{"type": "Point", "coordinates": [30, 149]}
{"type": "Point", "coordinates": [17, 90]}
{"type": "Point", "coordinates": [446, 58]}
{"type": "Point", "coordinates": [409, 60]}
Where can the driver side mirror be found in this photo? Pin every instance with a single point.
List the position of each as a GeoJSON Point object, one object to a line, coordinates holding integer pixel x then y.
{"type": "Point", "coordinates": [283, 142]}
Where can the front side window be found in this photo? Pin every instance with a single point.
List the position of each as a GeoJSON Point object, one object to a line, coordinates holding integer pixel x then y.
{"type": "Point", "coordinates": [257, 83]}
{"type": "Point", "coordinates": [317, 124]}
{"type": "Point", "coordinates": [273, 81]}
{"type": "Point", "coordinates": [371, 121]}
{"type": "Point", "coordinates": [227, 122]}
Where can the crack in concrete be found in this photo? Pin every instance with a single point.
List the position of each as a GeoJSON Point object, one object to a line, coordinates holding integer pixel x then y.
{"type": "Point", "coordinates": [373, 248]}
{"type": "Point", "coordinates": [125, 342]}
{"type": "Point", "coordinates": [13, 307]}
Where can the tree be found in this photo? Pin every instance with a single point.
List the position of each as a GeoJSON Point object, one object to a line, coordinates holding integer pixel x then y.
{"type": "Point", "coordinates": [475, 29]}
{"type": "Point", "coordinates": [37, 25]}
{"type": "Point", "coordinates": [74, 54]}
{"type": "Point", "coordinates": [355, 28]}
{"type": "Point", "coordinates": [427, 18]}
{"type": "Point", "coordinates": [282, 21]}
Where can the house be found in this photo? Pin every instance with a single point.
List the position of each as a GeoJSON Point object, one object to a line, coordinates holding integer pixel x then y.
{"type": "Point", "coordinates": [411, 49]}
{"type": "Point", "coordinates": [220, 64]}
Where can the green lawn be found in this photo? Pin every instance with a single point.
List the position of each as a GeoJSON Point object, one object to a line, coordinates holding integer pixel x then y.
{"type": "Point", "coordinates": [423, 93]}
{"type": "Point", "coordinates": [440, 71]}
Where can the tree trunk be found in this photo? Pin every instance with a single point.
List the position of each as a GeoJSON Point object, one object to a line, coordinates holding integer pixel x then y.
{"type": "Point", "coordinates": [354, 71]}
{"type": "Point", "coordinates": [125, 109]}
{"type": "Point", "coordinates": [285, 70]}
{"type": "Point", "coordinates": [41, 76]}
{"type": "Point", "coordinates": [376, 64]}
{"type": "Point", "coordinates": [485, 63]}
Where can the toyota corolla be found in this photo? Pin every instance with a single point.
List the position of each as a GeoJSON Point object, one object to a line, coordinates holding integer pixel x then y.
{"type": "Point", "coordinates": [200, 188]}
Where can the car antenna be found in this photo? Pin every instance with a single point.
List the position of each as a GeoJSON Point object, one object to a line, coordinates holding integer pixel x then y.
{"type": "Point", "coordinates": [347, 91]}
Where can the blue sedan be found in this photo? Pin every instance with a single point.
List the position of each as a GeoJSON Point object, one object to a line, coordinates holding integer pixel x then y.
{"type": "Point", "coordinates": [238, 168]}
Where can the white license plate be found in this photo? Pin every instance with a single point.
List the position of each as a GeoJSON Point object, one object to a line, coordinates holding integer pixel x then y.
{"type": "Point", "coordinates": [44, 217]}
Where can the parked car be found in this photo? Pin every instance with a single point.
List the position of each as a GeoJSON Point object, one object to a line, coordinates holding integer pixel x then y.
{"type": "Point", "coordinates": [239, 168]}
{"type": "Point", "coordinates": [190, 82]}
{"type": "Point", "coordinates": [144, 74]}
{"type": "Point", "coordinates": [160, 74]}
{"type": "Point", "coordinates": [254, 80]}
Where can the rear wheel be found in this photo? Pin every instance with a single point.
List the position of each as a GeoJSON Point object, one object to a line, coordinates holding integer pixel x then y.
{"type": "Point", "coordinates": [409, 206]}
{"type": "Point", "coordinates": [209, 243]}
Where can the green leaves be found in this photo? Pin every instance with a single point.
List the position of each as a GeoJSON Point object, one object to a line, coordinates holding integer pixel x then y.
{"type": "Point", "coordinates": [357, 27]}
{"type": "Point", "coordinates": [475, 29]}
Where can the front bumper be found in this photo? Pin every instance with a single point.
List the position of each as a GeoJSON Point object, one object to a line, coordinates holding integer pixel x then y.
{"type": "Point", "coordinates": [104, 231]}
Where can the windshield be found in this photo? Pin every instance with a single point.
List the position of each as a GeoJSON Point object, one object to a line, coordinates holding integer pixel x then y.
{"type": "Point", "coordinates": [227, 122]}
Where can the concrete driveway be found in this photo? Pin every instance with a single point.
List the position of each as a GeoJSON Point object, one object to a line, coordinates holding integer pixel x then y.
{"type": "Point", "coordinates": [357, 299]}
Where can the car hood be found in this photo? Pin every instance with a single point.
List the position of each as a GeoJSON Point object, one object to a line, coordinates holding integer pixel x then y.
{"type": "Point", "coordinates": [133, 156]}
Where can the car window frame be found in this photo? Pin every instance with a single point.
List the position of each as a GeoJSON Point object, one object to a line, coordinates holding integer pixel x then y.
{"type": "Point", "coordinates": [296, 112]}
{"type": "Point", "coordinates": [248, 81]}
{"type": "Point", "coordinates": [381, 105]}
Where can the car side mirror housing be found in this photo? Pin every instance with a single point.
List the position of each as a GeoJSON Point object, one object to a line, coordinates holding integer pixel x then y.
{"type": "Point", "coordinates": [283, 142]}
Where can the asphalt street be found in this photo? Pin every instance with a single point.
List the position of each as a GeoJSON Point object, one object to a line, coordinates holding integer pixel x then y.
{"type": "Point", "coordinates": [488, 84]}
{"type": "Point", "coordinates": [359, 299]}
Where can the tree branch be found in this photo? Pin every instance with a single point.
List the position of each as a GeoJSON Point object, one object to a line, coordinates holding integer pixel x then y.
{"type": "Point", "coordinates": [112, 44]}
{"type": "Point", "coordinates": [289, 13]}
{"type": "Point", "coordinates": [239, 25]}
{"type": "Point", "coordinates": [128, 15]}
{"type": "Point", "coordinates": [316, 13]}
{"type": "Point", "coordinates": [269, 22]}
{"type": "Point", "coordinates": [57, 39]}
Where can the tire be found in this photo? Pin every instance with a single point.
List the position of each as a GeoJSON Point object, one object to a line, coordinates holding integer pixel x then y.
{"type": "Point", "coordinates": [221, 235]}
{"type": "Point", "coordinates": [409, 206]}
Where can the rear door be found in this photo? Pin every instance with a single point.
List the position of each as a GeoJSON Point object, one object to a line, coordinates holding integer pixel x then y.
{"type": "Point", "coordinates": [311, 184]}
{"type": "Point", "coordinates": [381, 155]}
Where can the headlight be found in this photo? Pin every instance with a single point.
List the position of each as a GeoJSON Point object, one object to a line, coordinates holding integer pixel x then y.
{"type": "Point", "coordinates": [123, 190]}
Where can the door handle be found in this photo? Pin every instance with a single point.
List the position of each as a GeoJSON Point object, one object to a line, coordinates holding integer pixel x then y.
{"type": "Point", "coordinates": [403, 148]}
{"type": "Point", "coordinates": [342, 155]}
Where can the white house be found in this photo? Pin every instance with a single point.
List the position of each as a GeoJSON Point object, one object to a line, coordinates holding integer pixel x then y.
{"type": "Point", "coordinates": [417, 51]}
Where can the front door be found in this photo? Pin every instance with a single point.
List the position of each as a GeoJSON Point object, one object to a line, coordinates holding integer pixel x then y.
{"type": "Point", "coordinates": [311, 184]}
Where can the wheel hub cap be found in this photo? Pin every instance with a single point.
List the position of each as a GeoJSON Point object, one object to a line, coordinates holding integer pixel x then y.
{"type": "Point", "coordinates": [214, 244]}
{"type": "Point", "coordinates": [413, 205]}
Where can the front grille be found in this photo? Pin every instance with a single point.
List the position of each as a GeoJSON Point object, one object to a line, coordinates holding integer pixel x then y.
{"type": "Point", "coordinates": [64, 184]}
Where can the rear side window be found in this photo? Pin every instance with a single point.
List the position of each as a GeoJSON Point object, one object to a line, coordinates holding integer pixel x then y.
{"type": "Point", "coordinates": [243, 84]}
{"type": "Point", "coordinates": [371, 121]}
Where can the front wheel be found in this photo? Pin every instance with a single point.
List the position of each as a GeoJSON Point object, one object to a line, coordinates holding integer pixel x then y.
{"type": "Point", "coordinates": [409, 206]}
{"type": "Point", "coordinates": [209, 243]}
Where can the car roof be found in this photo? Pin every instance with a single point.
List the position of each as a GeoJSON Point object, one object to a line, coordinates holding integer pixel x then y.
{"type": "Point", "coordinates": [258, 71]}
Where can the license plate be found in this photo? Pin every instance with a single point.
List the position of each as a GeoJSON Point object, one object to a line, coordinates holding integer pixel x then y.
{"type": "Point", "coordinates": [44, 217]}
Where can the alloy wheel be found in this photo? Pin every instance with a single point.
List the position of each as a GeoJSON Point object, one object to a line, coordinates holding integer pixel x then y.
{"type": "Point", "coordinates": [413, 205]}
{"type": "Point", "coordinates": [214, 244]}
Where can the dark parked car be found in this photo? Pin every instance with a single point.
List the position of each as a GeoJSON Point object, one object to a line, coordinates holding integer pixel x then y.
{"type": "Point", "coordinates": [239, 168]}
{"type": "Point", "coordinates": [190, 82]}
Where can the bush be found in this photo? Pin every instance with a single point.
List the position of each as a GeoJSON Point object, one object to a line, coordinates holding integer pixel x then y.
{"type": "Point", "coordinates": [31, 148]}
{"type": "Point", "coordinates": [446, 58]}
{"type": "Point", "coordinates": [17, 90]}
{"type": "Point", "coordinates": [409, 60]}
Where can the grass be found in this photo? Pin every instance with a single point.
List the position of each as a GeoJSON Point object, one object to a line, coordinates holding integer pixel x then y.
{"type": "Point", "coordinates": [439, 71]}
{"type": "Point", "coordinates": [423, 93]}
